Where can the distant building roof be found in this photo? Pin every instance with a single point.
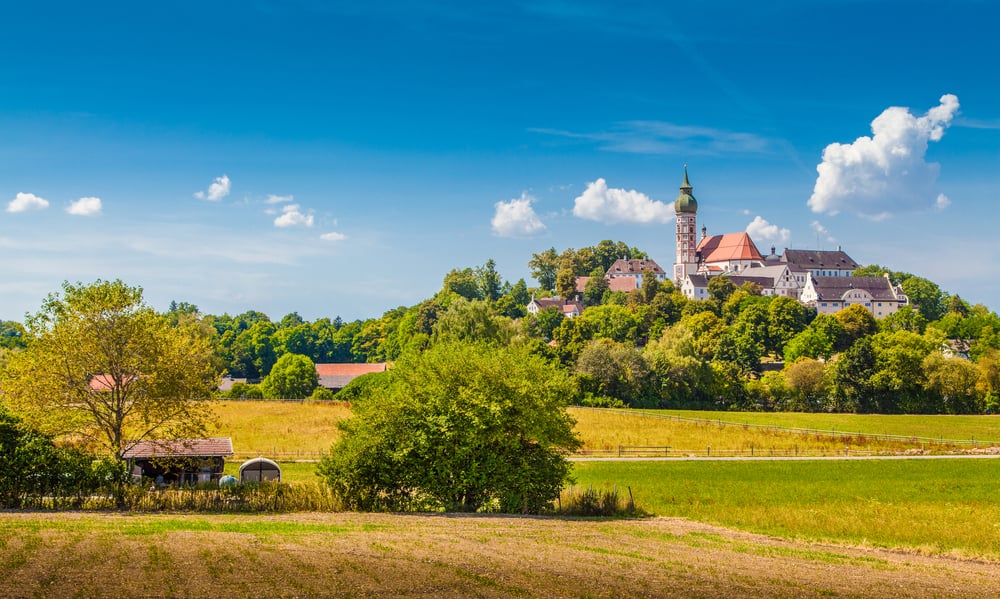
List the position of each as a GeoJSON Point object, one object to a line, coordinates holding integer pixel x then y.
{"type": "Point", "coordinates": [181, 448]}
{"type": "Point", "coordinates": [338, 375]}
{"type": "Point", "coordinates": [834, 288]}
{"type": "Point", "coordinates": [625, 284]}
{"type": "Point", "coordinates": [623, 267]}
{"type": "Point", "coordinates": [728, 247]}
{"type": "Point", "coordinates": [819, 259]}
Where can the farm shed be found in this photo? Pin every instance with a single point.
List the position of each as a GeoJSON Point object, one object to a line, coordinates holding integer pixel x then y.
{"type": "Point", "coordinates": [179, 461]}
{"type": "Point", "coordinates": [336, 376]}
{"type": "Point", "coordinates": [258, 470]}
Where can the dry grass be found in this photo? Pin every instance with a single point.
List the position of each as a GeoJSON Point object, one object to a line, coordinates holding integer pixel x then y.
{"type": "Point", "coordinates": [606, 430]}
{"type": "Point", "coordinates": [279, 429]}
{"type": "Point", "coordinates": [372, 555]}
{"type": "Point", "coordinates": [291, 430]}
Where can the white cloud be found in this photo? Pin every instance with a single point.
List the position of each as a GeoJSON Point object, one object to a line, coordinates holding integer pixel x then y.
{"type": "Point", "coordinates": [762, 230]}
{"type": "Point", "coordinates": [619, 206]}
{"type": "Point", "coordinates": [821, 231]}
{"type": "Point", "coordinates": [516, 218]}
{"type": "Point", "coordinates": [333, 236]}
{"type": "Point", "coordinates": [217, 190]}
{"type": "Point", "coordinates": [274, 199]}
{"type": "Point", "coordinates": [291, 216]}
{"type": "Point", "coordinates": [25, 202]}
{"type": "Point", "coordinates": [85, 207]}
{"type": "Point", "coordinates": [878, 176]}
{"type": "Point", "coordinates": [942, 202]}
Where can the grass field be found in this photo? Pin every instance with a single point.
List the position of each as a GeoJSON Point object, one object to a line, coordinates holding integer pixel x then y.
{"type": "Point", "coordinates": [291, 430]}
{"type": "Point", "coordinates": [983, 429]}
{"type": "Point", "coordinates": [945, 506]}
{"type": "Point", "coordinates": [384, 555]}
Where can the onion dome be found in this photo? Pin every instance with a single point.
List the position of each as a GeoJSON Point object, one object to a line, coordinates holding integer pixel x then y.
{"type": "Point", "coordinates": [685, 200]}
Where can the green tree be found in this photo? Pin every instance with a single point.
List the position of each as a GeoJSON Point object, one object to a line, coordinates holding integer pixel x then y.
{"type": "Point", "coordinates": [489, 281]}
{"type": "Point", "coordinates": [461, 426]}
{"type": "Point", "coordinates": [615, 370]}
{"type": "Point", "coordinates": [292, 377]}
{"type": "Point", "coordinates": [857, 321]}
{"type": "Point", "coordinates": [102, 365]}
{"type": "Point", "coordinates": [597, 284]}
{"type": "Point", "coordinates": [544, 266]}
{"type": "Point", "coordinates": [463, 282]}
{"type": "Point", "coordinates": [926, 296]}
{"type": "Point", "coordinates": [566, 275]}
{"type": "Point", "coordinates": [720, 288]}
{"type": "Point", "coordinates": [12, 335]}
{"type": "Point", "coordinates": [953, 383]}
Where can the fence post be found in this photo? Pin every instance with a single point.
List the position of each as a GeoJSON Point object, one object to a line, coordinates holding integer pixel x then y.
{"type": "Point", "coordinates": [619, 450]}
{"type": "Point", "coordinates": [709, 451]}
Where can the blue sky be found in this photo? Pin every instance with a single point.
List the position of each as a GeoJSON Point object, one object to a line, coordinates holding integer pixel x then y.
{"type": "Point", "coordinates": [334, 159]}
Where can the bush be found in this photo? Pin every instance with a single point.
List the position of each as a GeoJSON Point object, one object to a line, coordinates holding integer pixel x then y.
{"type": "Point", "coordinates": [244, 391]}
{"type": "Point", "coordinates": [591, 503]}
{"type": "Point", "coordinates": [33, 468]}
{"type": "Point", "coordinates": [461, 426]}
{"type": "Point", "coordinates": [322, 393]}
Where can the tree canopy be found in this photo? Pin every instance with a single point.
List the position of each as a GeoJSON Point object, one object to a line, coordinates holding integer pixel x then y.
{"type": "Point", "coordinates": [103, 366]}
{"type": "Point", "coordinates": [460, 426]}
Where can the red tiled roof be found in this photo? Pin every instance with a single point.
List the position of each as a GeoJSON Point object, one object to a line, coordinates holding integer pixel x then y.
{"type": "Point", "coordinates": [731, 246]}
{"type": "Point", "coordinates": [181, 448]}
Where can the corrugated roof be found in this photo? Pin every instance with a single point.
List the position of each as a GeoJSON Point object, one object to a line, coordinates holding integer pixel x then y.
{"type": "Point", "coordinates": [731, 246]}
{"type": "Point", "coordinates": [181, 448]}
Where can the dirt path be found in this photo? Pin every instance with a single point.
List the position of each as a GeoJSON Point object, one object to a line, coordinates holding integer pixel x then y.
{"type": "Point", "coordinates": [333, 555]}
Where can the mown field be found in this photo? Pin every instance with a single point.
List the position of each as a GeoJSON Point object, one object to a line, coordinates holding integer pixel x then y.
{"type": "Point", "coordinates": [385, 555]}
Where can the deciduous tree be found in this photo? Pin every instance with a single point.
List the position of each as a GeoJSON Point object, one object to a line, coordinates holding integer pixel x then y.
{"type": "Point", "coordinates": [460, 426]}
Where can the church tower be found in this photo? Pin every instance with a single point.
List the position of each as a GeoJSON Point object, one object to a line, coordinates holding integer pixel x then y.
{"type": "Point", "coordinates": [686, 208]}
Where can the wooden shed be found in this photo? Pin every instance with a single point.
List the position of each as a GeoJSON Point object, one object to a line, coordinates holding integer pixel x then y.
{"type": "Point", "coordinates": [179, 461]}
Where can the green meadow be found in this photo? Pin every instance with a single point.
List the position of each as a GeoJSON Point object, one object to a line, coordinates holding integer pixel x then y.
{"type": "Point", "coordinates": [982, 429]}
{"type": "Point", "coordinates": [947, 506]}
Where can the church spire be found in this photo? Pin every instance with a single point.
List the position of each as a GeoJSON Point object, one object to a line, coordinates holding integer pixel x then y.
{"type": "Point", "coordinates": [685, 200]}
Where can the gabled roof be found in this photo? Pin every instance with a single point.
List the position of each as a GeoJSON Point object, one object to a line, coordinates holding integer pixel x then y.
{"type": "Point", "coordinates": [834, 288]}
{"type": "Point", "coordinates": [764, 282]}
{"type": "Point", "coordinates": [633, 267]}
{"type": "Point", "coordinates": [338, 375]}
{"type": "Point", "coordinates": [698, 281]}
{"type": "Point", "coordinates": [821, 259]}
{"type": "Point", "coordinates": [181, 448]}
{"type": "Point", "coordinates": [731, 246]}
{"type": "Point", "coordinates": [772, 272]}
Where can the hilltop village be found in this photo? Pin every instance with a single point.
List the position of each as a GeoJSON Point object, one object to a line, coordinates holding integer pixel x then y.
{"type": "Point", "coordinates": [820, 279]}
